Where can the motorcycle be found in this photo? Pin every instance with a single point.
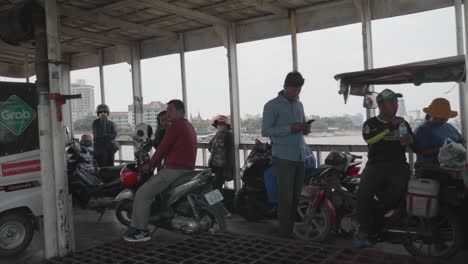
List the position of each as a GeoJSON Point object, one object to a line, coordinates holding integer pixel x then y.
{"type": "Point", "coordinates": [327, 206]}
{"type": "Point", "coordinates": [190, 204]}
{"type": "Point", "coordinates": [96, 190]}
{"type": "Point", "coordinates": [257, 199]}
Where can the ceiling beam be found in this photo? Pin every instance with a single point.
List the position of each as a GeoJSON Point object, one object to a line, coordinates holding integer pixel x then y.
{"type": "Point", "coordinates": [267, 7]}
{"type": "Point", "coordinates": [77, 33]}
{"type": "Point", "coordinates": [185, 12]}
{"type": "Point", "coordinates": [16, 49]}
{"type": "Point", "coordinates": [102, 19]}
{"type": "Point", "coordinates": [112, 6]}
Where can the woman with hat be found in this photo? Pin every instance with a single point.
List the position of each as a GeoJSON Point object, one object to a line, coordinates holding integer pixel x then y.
{"type": "Point", "coordinates": [431, 135]}
{"type": "Point", "coordinates": [221, 148]}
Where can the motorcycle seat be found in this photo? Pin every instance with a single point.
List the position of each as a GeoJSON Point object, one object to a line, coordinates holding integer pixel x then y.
{"type": "Point", "coordinates": [107, 174]}
{"type": "Point", "coordinates": [186, 177]}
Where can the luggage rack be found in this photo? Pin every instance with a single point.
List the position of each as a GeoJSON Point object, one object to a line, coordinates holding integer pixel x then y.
{"type": "Point", "coordinates": [232, 249]}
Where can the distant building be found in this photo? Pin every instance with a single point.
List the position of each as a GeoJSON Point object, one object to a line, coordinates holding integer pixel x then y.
{"type": "Point", "coordinates": [150, 113]}
{"type": "Point", "coordinates": [401, 108]}
{"type": "Point", "coordinates": [84, 106]}
{"type": "Point", "coordinates": [120, 119]}
{"type": "Point", "coordinates": [415, 114]}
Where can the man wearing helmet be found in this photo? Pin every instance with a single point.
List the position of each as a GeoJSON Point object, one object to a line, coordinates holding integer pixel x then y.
{"type": "Point", "coordinates": [178, 148]}
{"type": "Point", "coordinates": [104, 134]}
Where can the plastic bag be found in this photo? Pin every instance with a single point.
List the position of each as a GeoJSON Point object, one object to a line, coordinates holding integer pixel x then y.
{"type": "Point", "coordinates": [452, 155]}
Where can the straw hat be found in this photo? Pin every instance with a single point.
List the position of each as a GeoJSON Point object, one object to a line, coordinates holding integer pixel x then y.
{"type": "Point", "coordinates": [440, 108]}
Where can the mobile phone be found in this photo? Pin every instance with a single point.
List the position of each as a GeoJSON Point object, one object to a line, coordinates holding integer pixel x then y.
{"type": "Point", "coordinates": [310, 121]}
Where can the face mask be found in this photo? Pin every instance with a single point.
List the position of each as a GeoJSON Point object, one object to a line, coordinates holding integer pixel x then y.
{"type": "Point", "coordinates": [220, 127]}
{"type": "Point", "coordinates": [102, 115]}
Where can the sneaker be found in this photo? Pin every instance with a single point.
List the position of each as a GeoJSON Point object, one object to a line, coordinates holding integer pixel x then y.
{"type": "Point", "coordinates": [135, 235]}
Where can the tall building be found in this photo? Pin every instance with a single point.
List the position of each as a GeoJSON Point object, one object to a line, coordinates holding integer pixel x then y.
{"type": "Point", "coordinates": [84, 106]}
{"type": "Point", "coordinates": [120, 119]}
{"type": "Point", "coordinates": [150, 113]}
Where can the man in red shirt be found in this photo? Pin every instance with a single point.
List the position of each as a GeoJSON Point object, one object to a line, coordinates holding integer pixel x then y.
{"type": "Point", "coordinates": [179, 151]}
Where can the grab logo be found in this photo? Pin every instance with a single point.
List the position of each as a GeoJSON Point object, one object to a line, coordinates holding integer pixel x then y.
{"type": "Point", "coordinates": [16, 115]}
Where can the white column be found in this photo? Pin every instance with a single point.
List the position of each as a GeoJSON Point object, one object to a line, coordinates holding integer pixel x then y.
{"type": "Point", "coordinates": [64, 229]}
{"type": "Point", "coordinates": [101, 75]}
{"type": "Point", "coordinates": [65, 89]}
{"type": "Point", "coordinates": [234, 100]}
{"type": "Point", "coordinates": [182, 72]}
{"type": "Point", "coordinates": [292, 22]}
{"type": "Point", "coordinates": [364, 7]}
{"type": "Point", "coordinates": [463, 98]}
{"type": "Point", "coordinates": [460, 51]}
{"type": "Point", "coordinates": [136, 83]}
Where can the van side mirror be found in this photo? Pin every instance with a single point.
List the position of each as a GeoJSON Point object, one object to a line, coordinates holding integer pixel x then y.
{"type": "Point", "coordinates": [370, 100]}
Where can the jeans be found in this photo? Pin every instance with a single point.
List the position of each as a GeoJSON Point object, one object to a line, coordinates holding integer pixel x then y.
{"type": "Point", "coordinates": [146, 193]}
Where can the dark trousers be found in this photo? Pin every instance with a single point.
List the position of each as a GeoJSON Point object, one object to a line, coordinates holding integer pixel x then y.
{"type": "Point", "coordinates": [381, 189]}
{"type": "Point", "coordinates": [219, 177]}
{"type": "Point", "coordinates": [290, 181]}
{"type": "Point", "coordinates": [104, 157]}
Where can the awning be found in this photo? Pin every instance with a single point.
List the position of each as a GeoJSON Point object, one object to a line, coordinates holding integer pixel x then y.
{"type": "Point", "coordinates": [450, 69]}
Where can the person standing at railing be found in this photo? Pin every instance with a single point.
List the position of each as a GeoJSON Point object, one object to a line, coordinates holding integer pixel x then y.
{"type": "Point", "coordinates": [284, 123]}
{"type": "Point", "coordinates": [221, 147]}
{"type": "Point", "coordinates": [104, 134]}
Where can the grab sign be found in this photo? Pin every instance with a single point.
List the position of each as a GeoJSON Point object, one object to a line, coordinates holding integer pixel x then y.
{"type": "Point", "coordinates": [16, 115]}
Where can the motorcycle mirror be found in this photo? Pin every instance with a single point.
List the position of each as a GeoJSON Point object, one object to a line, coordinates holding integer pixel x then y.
{"type": "Point", "coordinates": [370, 100]}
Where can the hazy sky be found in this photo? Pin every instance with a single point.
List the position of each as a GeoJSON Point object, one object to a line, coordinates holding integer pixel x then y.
{"type": "Point", "coordinates": [264, 64]}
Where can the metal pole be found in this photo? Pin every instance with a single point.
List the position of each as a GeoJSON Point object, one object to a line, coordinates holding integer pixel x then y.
{"type": "Point", "coordinates": [136, 83]}
{"type": "Point", "coordinates": [366, 18]}
{"type": "Point", "coordinates": [182, 72]}
{"type": "Point", "coordinates": [292, 23]}
{"type": "Point", "coordinates": [101, 75]}
{"type": "Point", "coordinates": [64, 229]}
{"type": "Point", "coordinates": [49, 209]}
{"type": "Point", "coordinates": [464, 98]}
{"type": "Point", "coordinates": [234, 99]}
{"type": "Point", "coordinates": [26, 67]}
{"type": "Point", "coordinates": [460, 51]}
{"type": "Point", "coordinates": [66, 89]}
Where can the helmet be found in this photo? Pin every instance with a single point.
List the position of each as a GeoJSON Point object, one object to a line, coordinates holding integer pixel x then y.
{"type": "Point", "coordinates": [129, 175]}
{"type": "Point", "coordinates": [86, 140]}
{"type": "Point", "coordinates": [142, 132]}
{"type": "Point", "coordinates": [102, 108]}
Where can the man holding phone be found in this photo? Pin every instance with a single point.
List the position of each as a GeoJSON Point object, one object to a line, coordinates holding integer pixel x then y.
{"type": "Point", "coordinates": [285, 124]}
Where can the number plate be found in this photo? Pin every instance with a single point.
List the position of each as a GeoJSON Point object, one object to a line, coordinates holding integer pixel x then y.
{"type": "Point", "coordinates": [213, 197]}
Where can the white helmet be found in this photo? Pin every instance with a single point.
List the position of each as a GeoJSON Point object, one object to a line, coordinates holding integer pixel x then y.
{"type": "Point", "coordinates": [142, 133]}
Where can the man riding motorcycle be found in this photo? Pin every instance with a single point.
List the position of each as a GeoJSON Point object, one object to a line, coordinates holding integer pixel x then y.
{"type": "Point", "coordinates": [385, 177]}
{"type": "Point", "coordinates": [179, 149]}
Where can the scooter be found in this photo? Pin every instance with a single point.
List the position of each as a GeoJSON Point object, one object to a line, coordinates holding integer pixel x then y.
{"type": "Point", "coordinates": [189, 205]}
{"type": "Point", "coordinates": [94, 191]}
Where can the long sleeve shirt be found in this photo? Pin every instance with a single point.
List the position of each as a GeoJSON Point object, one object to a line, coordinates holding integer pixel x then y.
{"type": "Point", "coordinates": [104, 132]}
{"type": "Point", "coordinates": [178, 147]}
{"type": "Point", "coordinates": [278, 116]}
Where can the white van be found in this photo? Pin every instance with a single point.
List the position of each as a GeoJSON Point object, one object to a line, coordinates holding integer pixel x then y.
{"type": "Point", "coordinates": [20, 170]}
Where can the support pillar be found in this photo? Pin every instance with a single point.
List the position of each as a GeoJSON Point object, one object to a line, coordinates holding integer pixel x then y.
{"type": "Point", "coordinates": [364, 7]}
{"type": "Point", "coordinates": [64, 229]}
{"type": "Point", "coordinates": [460, 51]}
{"type": "Point", "coordinates": [182, 73]}
{"type": "Point", "coordinates": [136, 83]}
{"type": "Point", "coordinates": [101, 75]}
{"type": "Point", "coordinates": [234, 99]}
{"type": "Point", "coordinates": [292, 22]}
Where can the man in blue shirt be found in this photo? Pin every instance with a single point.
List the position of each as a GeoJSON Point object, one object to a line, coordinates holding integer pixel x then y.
{"type": "Point", "coordinates": [431, 135]}
{"type": "Point", "coordinates": [284, 123]}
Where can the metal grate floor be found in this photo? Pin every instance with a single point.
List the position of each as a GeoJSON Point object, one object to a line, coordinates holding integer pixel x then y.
{"type": "Point", "coordinates": [232, 249]}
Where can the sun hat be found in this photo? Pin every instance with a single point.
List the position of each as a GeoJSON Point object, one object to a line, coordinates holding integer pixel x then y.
{"type": "Point", "coordinates": [440, 108]}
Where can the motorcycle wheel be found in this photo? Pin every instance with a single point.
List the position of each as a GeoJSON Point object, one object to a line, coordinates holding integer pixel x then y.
{"type": "Point", "coordinates": [246, 207]}
{"type": "Point", "coordinates": [313, 225]}
{"type": "Point", "coordinates": [123, 211]}
{"type": "Point", "coordinates": [217, 213]}
{"type": "Point", "coordinates": [437, 237]}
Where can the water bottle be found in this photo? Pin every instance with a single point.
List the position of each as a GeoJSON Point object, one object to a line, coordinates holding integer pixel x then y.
{"type": "Point", "coordinates": [403, 130]}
